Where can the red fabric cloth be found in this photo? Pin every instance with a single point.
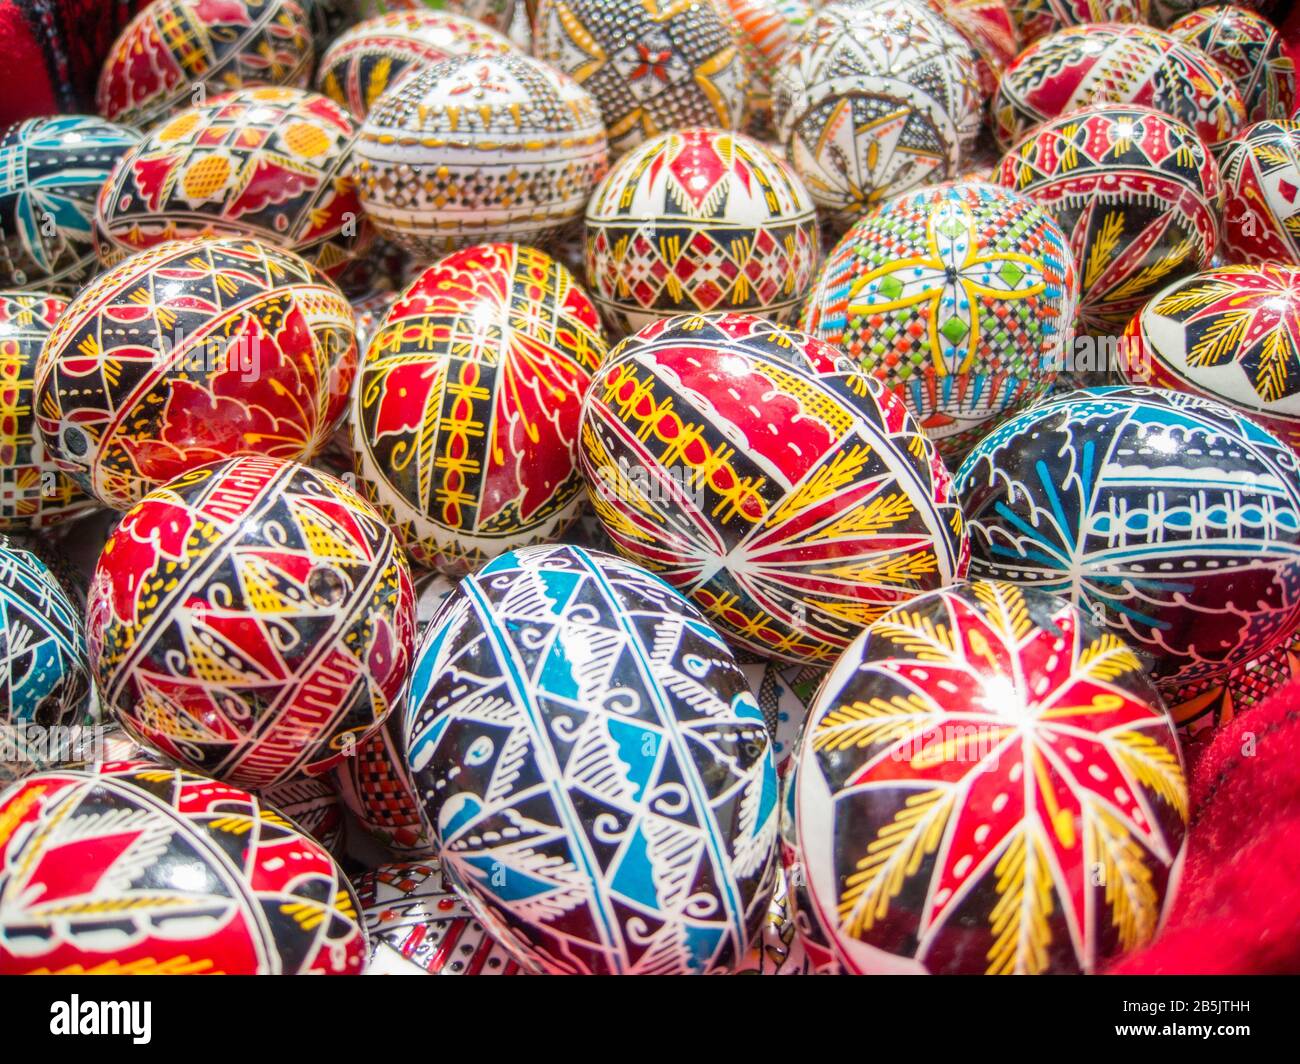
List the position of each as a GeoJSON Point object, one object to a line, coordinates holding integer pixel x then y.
{"type": "Point", "coordinates": [1238, 907]}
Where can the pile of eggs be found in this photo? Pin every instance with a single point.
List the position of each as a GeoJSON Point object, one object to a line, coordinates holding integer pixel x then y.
{"type": "Point", "coordinates": [756, 486]}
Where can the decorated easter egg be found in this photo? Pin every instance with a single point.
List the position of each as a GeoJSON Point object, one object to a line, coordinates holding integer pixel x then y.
{"type": "Point", "coordinates": [465, 420]}
{"type": "Point", "coordinates": [34, 493]}
{"type": "Point", "coordinates": [1136, 192]}
{"type": "Point", "coordinates": [1248, 47]}
{"type": "Point", "coordinates": [765, 32]}
{"type": "Point", "coordinates": [479, 148]}
{"type": "Point", "coordinates": [1231, 334]}
{"type": "Point", "coordinates": [783, 691]}
{"type": "Point", "coordinates": [51, 170]}
{"type": "Point", "coordinates": [1171, 520]}
{"type": "Point", "coordinates": [959, 298]}
{"type": "Point", "coordinates": [1035, 19]}
{"type": "Point", "coordinates": [651, 67]}
{"type": "Point", "coordinates": [989, 29]}
{"type": "Point", "coordinates": [876, 99]}
{"type": "Point", "coordinates": [700, 220]}
{"type": "Point", "coordinates": [188, 353]}
{"type": "Point", "coordinates": [780, 950]}
{"type": "Point", "coordinates": [988, 785]}
{"type": "Point", "coordinates": [373, 56]}
{"type": "Point", "coordinates": [1199, 707]}
{"type": "Point", "coordinates": [172, 873]}
{"type": "Point", "coordinates": [1261, 193]}
{"type": "Point", "coordinates": [376, 787]}
{"type": "Point", "coordinates": [272, 164]}
{"type": "Point", "coordinates": [765, 477]}
{"type": "Point", "coordinates": [1111, 63]}
{"type": "Point", "coordinates": [44, 678]}
{"type": "Point", "coordinates": [313, 806]}
{"type": "Point", "coordinates": [253, 620]}
{"type": "Point", "coordinates": [176, 53]}
{"type": "Point", "coordinates": [498, 14]}
{"type": "Point", "coordinates": [597, 776]}
{"type": "Point", "coordinates": [418, 925]}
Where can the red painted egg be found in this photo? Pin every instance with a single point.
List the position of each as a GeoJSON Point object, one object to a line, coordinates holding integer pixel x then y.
{"type": "Point", "coordinates": [1248, 47]}
{"type": "Point", "coordinates": [1261, 184]}
{"type": "Point", "coordinates": [191, 352]}
{"type": "Point", "coordinates": [253, 620]}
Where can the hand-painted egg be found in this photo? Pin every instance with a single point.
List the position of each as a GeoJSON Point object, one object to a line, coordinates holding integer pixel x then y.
{"type": "Point", "coordinates": [34, 493]}
{"type": "Point", "coordinates": [780, 950]}
{"type": "Point", "coordinates": [1230, 334]}
{"type": "Point", "coordinates": [51, 171]}
{"type": "Point", "coordinates": [375, 55]}
{"type": "Point", "coordinates": [418, 925]}
{"type": "Point", "coordinates": [465, 420]}
{"type": "Point", "coordinates": [876, 99]}
{"type": "Point", "coordinates": [989, 29]}
{"type": "Point", "coordinates": [498, 14]}
{"type": "Point", "coordinates": [1035, 19]}
{"type": "Point", "coordinates": [700, 220]}
{"type": "Point", "coordinates": [1136, 192]}
{"type": "Point", "coordinates": [56, 556]}
{"type": "Point", "coordinates": [1169, 519]}
{"type": "Point", "coordinates": [988, 784]}
{"type": "Point", "coordinates": [596, 773]}
{"type": "Point", "coordinates": [271, 164]}
{"type": "Point", "coordinates": [1111, 63]}
{"type": "Point", "coordinates": [1250, 50]}
{"type": "Point", "coordinates": [783, 691]}
{"type": "Point", "coordinates": [769, 480]}
{"type": "Point", "coordinates": [253, 620]}
{"type": "Point", "coordinates": [479, 148]}
{"type": "Point", "coordinates": [1261, 193]}
{"type": "Point", "coordinates": [651, 67]}
{"type": "Point", "coordinates": [188, 353]}
{"type": "Point", "coordinates": [765, 32]}
{"type": "Point", "coordinates": [172, 874]}
{"type": "Point", "coordinates": [959, 298]}
{"type": "Point", "coordinates": [313, 805]}
{"type": "Point", "coordinates": [376, 787]}
{"type": "Point", "coordinates": [44, 678]}
{"type": "Point", "coordinates": [1199, 707]}
{"type": "Point", "coordinates": [176, 53]}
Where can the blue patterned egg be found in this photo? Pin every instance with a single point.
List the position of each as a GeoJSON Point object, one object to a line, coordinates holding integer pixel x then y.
{"type": "Point", "coordinates": [1171, 520]}
{"type": "Point", "coordinates": [51, 171]}
{"type": "Point", "coordinates": [44, 678]}
{"type": "Point", "coordinates": [595, 770]}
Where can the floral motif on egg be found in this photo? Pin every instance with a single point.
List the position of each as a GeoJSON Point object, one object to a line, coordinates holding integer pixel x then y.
{"type": "Point", "coordinates": [479, 148]}
{"type": "Point", "coordinates": [418, 925]}
{"type": "Point", "coordinates": [652, 66]}
{"type": "Point", "coordinates": [960, 298]}
{"type": "Point", "coordinates": [51, 171]}
{"type": "Point", "coordinates": [373, 56]}
{"type": "Point", "coordinates": [1113, 63]}
{"type": "Point", "coordinates": [272, 164]}
{"type": "Point", "coordinates": [1170, 519]}
{"type": "Point", "coordinates": [174, 52]}
{"type": "Point", "coordinates": [199, 878]}
{"type": "Point", "coordinates": [1261, 184]}
{"type": "Point", "coordinates": [1249, 48]}
{"type": "Point", "coordinates": [191, 352]}
{"type": "Point", "coordinates": [252, 620]}
{"type": "Point", "coordinates": [876, 99]}
{"type": "Point", "coordinates": [1231, 334]}
{"type": "Point", "coordinates": [1137, 194]}
{"type": "Point", "coordinates": [1036, 19]}
{"type": "Point", "coordinates": [988, 785]}
{"type": "Point", "coordinates": [580, 700]}
{"type": "Point", "coordinates": [773, 483]}
{"type": "Point", "coordinates": [465, 420]}
{"type": "Point", "coordinates": [44, 678]}
{"type": "Point", "coordinates": [34, 493]}
{"type": "Point", "coordinates": [700, 220]}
